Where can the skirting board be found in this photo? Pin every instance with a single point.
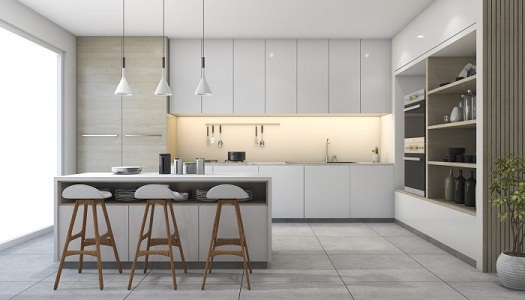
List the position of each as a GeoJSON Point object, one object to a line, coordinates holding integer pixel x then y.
{"type": "Point", "coordinates": [26, 238]}
{"type": "Point", "coordinates": [333, 220]}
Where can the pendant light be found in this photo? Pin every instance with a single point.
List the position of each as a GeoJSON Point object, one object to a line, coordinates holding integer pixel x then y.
{"type": "Point", "coordinates": [163, 89]}
{"type": "Point", "coordinates": [123, 88]}
{"type": "Point", "coordinates": [203, 89]}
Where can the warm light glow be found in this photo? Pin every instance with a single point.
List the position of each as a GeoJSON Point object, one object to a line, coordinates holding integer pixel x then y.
{"type": "Point", "coordinates": [420, 36]}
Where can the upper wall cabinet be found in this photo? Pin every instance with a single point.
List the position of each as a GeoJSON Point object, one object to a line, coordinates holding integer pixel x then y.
{"type": "Point", "coordinates": [312, 76]}
{"type": "Point", "coordinates": [344, 76]}
{"type": "Point", "coordinates": [248, 76]}
{"type": "Point", "coordinates": [185, 63]}
{"type": "Point", "coordinates": [376, 76]}
{"type": "Point", "coordinates": [219, 73]}
{"type": "Point", "coordinates": [281, 76]}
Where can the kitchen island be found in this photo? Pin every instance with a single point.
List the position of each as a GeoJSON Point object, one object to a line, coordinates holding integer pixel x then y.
{"type": "Point", "coordinates": [194, 217]}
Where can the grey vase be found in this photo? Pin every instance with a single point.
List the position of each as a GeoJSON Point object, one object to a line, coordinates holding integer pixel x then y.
{"type": "Point", "coordinates": [470, 191]}
{"type": "Point", "coordinates": [459, 188]}
{"type": "Point", "coordinates": [449, 186]}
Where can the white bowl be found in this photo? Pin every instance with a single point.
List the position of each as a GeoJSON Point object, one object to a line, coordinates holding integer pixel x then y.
{"type": "Point", "coordinates": [126, 170]}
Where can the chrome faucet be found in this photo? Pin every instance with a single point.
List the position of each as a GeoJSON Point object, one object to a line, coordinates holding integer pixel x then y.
{"type": "Point", "coordinates": [326, 152]}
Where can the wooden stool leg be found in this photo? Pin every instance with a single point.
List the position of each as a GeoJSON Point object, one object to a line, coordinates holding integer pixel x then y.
{"type": "Point", "coordinates": [66, 245]}
{"type": "Point", "coordinates": [97, 245]}
{"type": "Point", "coordinates": [212, 242]}
{"type": "Point", "coordinates": [141, 235]}
{"type": "Point", "coordinates": [82, 238]}
{"type": "Point", "coordinates": [170, 243]}
{"type": "Point", "coordinates": [148, 243]}
{"type": "Point", "coordinates": [177, 235]}
{"type": "Point", "coordinates": [242, 242]}
{"type": "Point", "coordinates": [111, 237]}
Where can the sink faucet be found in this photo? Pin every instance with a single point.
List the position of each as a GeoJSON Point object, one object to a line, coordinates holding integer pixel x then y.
{"type": "Point", "coordinates": [326, 152]}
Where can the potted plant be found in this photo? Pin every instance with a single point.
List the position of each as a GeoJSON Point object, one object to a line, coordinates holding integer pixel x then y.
{"type": "Point", "coordinates": [375, 157]}
{"type": "Point", "coordinates": [508, 193]}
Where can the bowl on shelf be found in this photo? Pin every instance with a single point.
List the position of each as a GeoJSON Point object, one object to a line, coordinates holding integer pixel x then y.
{"type": "Point", "coordinates": [126, 170]}
{"type": "Point", "coordinates": [456, 150]}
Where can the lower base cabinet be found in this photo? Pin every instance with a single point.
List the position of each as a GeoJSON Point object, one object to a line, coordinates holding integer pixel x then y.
{"type": "Point", "coordinates": [371, 191]}
{"type": "Point", "coordinates": [327, 191]}
{"type": "Point", "coordinates": [287, 190]}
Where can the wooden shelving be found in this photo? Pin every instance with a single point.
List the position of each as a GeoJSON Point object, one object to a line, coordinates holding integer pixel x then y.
{"type": "Point", "coordinates": [470, 124]}
{"type": "Point", "coordinates": [456, 87]}
{"type": "Point", "coordinates": [453, 164]}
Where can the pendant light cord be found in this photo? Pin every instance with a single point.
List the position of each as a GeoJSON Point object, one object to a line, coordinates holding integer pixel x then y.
{"type": "Point", "coordinates": [163, 35]}
{"type": "Point", "coordinates": [202, 28]}
{"type": "Point", "coordinates": [123, 33]}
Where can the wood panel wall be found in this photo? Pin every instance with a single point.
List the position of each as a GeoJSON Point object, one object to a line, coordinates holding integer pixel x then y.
{"type": "Point", "coordinates": [504, 130]}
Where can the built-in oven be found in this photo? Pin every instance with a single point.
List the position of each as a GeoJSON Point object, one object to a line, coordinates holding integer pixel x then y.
{"type": "Point", "coordinates": [414, 152]}
{"type": "Point", "coordinates": [415, 112]}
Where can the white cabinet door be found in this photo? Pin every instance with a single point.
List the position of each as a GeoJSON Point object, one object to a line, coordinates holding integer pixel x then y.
{"type": "Point", "coordinates": [376, 74]}
{"type": "Point", "coordinates": [255, 219]}
{"type": "Point", "coordinates": [219, 73]}
{"type": "Point", "coordinates": [312, 76]}
{"type": "Point", "coordinates": [185, 73]}
{"type": "Point", "coordinates": [248, 66]}
{"type": "Point", "coordinates": [371, 191]}
{"type": "Point", "coordinates": [235, 169]}
{"type": "Point", "coordinates": [281, 76]}
{"type": "Point", "coordinates": [327, 191]}
{"type": "Point", "coordinates": [287, 190]}
{"type": "Point", "coordinates": [118, 217]}
{"type": "Point", "coordinates": [187, 221]}
{"type": "Point", "coordinates": [345, 76]}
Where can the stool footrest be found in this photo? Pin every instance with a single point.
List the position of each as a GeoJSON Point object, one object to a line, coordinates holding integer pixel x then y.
{"type": "Point", "coordinates": [91, 242]}
{"type": "Point", "coordinates": [227, 252]}
{"type": "Point", "coordinates": [163, 241]}
{"type": "Point", "coordinates": [228, 241]}
{"type": "Point", "coordinates": [78, 252]}
{"type": "Point", "coordinates": [153, 252]}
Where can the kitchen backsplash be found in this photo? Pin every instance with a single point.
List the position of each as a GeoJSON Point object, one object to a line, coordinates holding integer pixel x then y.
{"type": "Point", "coordinates": [294, 139]}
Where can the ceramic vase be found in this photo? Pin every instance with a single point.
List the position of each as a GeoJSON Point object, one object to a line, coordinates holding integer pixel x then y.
{"type": "Point", "coordinates": [375, 158]}
{"type": "Point", "coordinates": [459, 188]}
{"type": "Point", "coordinates": [511, 271]}
{"type": "Point", "coordinates": [457, 114]}
{"type": "Point", "coordinates": [449, 186]}
{"type": "Point", "coordinates": [470, 191]}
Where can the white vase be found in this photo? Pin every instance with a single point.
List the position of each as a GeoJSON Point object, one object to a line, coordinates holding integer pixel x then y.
{"type": "Point", "coordinates": [375, 158]}
{"type": "Point", "coordinates": [511, 271]}
{"type": "Point", "coordinates": [457, 114]}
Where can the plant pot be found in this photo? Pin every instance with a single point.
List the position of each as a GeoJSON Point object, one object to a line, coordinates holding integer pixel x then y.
{"type": "Point", "coordinates": [375, 158]}
{"type": "Point", "coordinates": [511, 271]}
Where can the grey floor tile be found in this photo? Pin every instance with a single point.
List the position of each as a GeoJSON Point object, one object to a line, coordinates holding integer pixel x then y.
{"type": "Point", "coordinates": [187, 291]}
{"type": "Point", "coordinates": [449, 268]}
{"type": "Point", "coordinates": [292, 229]}
{"type": "Point", "coordinates": [296, 290]}
{"type": "Point", "coordinates": [403, 291]}
{"type": "Point", "coordinates": [296, 245]}
{"type": "Point", "coordinates": [487, 290]}
{"type": "Point", "coordinates": [358, 245]}
{"type": "Point", "coordinates": [26, 267]}
{"type": "Point", "coordinates": [414, 245]}
{"type": "Point", "coordinates": [75, 290]}
{"type": "Point", "coordinates": [10, 289]}
{"type": "Point", "coordinates": [38, 246]}
{"type": "Point", "coordinates": [72, 275]}
{"type": "Point", "coordinates": [389, 229]}
{"type": "Point", "coordinates": [297, 268]}
{"type": "Point", "coordinates": [380, 268]}
{"type": "Point", "coordinates": [342, 229]}
{"type": "Point", "coordinates": [226, 276]}
{"type": "Point", "coordinates": [300, 262]}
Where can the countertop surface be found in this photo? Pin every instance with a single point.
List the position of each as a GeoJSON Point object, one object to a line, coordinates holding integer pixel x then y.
{"type": "Point", "coordinates": [146, 176]}
{"type": "Point", "coordinates": [295, 163]}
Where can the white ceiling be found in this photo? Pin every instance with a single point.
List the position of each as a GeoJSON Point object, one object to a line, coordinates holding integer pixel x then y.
{"type": "Point", "coordinates": [234, 18]}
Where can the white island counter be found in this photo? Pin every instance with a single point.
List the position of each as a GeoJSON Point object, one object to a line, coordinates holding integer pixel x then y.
{"type": "Point", "coordinates": [194, 217]}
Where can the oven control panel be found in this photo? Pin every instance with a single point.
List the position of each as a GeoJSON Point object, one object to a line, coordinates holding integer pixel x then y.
{"type": "Point", "coordinates": [415, 97]}
{"type": "Point", "coordinates": [415, 145]}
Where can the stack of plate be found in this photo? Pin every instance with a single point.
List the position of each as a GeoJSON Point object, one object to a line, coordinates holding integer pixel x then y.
{"type": "Point", "coordinates": [201, 196]}
{"type": "Point", "coordinates": [126, 170]}
{"type": "Point", "coordinates": [125, 195]}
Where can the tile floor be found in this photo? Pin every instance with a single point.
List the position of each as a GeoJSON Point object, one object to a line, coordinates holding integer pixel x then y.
{"type": "Point", "coordinates": [310, 261]}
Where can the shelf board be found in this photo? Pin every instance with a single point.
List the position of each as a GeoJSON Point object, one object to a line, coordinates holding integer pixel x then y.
{"type": "Point", "coordinates": [456, 87]}
{"type": "Point", "coordinates": [462, 124]}
{"type": "Point", "coordinates": [452, 164]}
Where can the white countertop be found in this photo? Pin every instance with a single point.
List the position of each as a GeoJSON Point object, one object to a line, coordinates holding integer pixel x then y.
{"type": "Point", "coordinates": [304, 163]}
{"type": "Point", "coordinates": [155, 177]}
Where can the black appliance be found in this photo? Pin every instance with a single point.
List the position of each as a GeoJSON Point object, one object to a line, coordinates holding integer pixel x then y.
{"type": "Point", "coordinates": [165, 163]}
{"type": "Point", "coordinates": [414, 150]}
{"type": "Point", "coordinates": [236, 156]}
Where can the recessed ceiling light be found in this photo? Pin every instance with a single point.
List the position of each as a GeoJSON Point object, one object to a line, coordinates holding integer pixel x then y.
{"type": "Point", "coordinates": [420, 36]}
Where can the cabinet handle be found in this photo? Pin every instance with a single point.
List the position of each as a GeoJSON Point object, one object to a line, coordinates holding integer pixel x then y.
{"type": "Point", "coordinates": [412, 107]}
{"type": "Point", "coordinates": [138, 135]}
{"type": "Point", "coordinates": [100, 135]}
{"type": "Point", "coordinates": [412, 158]}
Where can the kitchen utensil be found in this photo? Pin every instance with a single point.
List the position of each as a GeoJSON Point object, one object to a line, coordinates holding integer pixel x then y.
{"type": "Point", "coordinates": [261, 143]}
{"type": "Point", "coordinates": [207, 134]}
{"type": "Point", "coordinates": [256, 139]}
{"type": "Point", "coordinates": [212, 139]}
{"type": "Point", "coordinates": [219, 143]}
{"type": "Point", "coordinates": [236, 156]}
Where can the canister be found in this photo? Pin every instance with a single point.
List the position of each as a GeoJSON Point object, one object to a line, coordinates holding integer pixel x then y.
{"type": "Point", "coordinates": [178, 163]}
{"type": "Point", "coordinates": [200, 165]}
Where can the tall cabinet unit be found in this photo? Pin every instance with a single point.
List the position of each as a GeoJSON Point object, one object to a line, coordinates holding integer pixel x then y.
{"type": "Point", "coordinates": [116, 130]}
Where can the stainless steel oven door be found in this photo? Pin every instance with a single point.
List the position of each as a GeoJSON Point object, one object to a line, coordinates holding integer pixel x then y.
{"type": "Point", "coordinates": [415, 173]}
{"type": "Point", "coordinates": [415, 119]}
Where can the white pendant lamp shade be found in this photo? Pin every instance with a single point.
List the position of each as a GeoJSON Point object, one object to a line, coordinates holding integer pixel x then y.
{"type": "Point", "coordinates": [163, 89]}
{"type": "Point", "coordinates": [123, 88]}
{"type": "Point", "coordinates": [203, 89]}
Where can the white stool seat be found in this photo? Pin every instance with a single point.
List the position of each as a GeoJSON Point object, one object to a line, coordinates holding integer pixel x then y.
{"type": "Point", "coordinates": [226, 191]}
{"type": "Point", "coordinates": [156, 191]}
{"type": "Point", "coordinates": [84, 191]}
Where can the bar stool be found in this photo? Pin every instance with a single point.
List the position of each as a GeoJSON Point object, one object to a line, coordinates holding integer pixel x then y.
{"type": "Point", "coordinates": [87, 196]}
{"type": "Point", "coordinates": [156, 194]}
{"type": "Point", "coordinates": [228, 194]}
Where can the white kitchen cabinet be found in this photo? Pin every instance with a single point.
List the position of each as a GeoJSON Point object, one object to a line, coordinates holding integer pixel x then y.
{"type": "Point", "coordinates": [118, 216]}
{"type": "Point", "coordinates": [251, 169]}
{"type": "Point", "coordinates": [372, 191]}
{"type": "Point", "coordinates": [185, 66]}
{"type": "Point", "coordinates": [312, 76]}
{"type": "Point", "coordinates": [281, 76]}
{"type": "Point", "coordinates": [376, 75]}
{"type": "Point", "coordinates": [219, 74]}
{"type": "Point", "coordinates": [187, 217]}
{"type": "Point", "coordinates": [345, 76]}
{"type": "Point", "coordinates": [287, 190]}
{"type": "Point", "coordinates": [249, 78]}
{"type": "Point", "coordinates": [326, 191]}
{"type": "Point", "coordinates": [255, 219]}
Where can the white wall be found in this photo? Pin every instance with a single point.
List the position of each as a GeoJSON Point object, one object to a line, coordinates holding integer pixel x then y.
{"type": "Point", "coordinates": [20, 19]}
{"type": "Point", "coordinates": [295, 139]}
